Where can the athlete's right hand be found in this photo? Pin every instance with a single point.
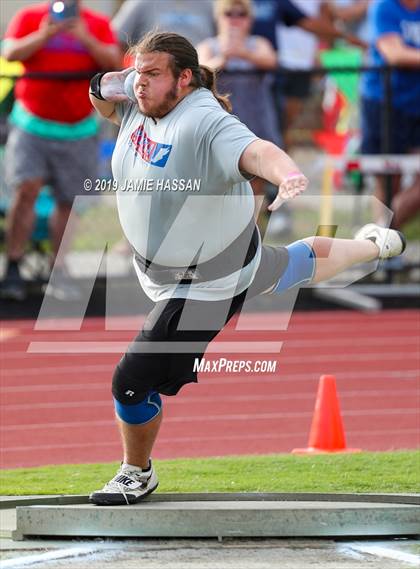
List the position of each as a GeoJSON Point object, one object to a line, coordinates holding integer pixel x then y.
{"type": "Point", "coordinates": [112, 86]}
{"type": "Point", "coordinates": [291, 187]}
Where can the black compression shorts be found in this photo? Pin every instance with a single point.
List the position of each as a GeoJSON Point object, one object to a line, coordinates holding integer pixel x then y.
{"type": "Point", "coordinates": [166, 371]}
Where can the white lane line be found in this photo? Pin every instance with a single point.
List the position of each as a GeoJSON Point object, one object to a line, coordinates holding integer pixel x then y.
{"type": "Point", "coordinates": [387, 552]}
{"type": "Point", "coordinates": [402, 339]}
{"type": "Point", "coordinates": [182, 419]}
{"type": "Point", "coordinates": [337, 335]}
{"type": "Point", "coordinates": [402, 411]}
{"type": "Point", "coordinates": [196, 440]}
{"type": "Point", "coordinates": [279, 376]}
{"type": "Point", "coordinates": [210, 399]}
{"type": "Point", "coordinates": [87, 387]}
{"type": "Point", "coordinates": [61, 370]}
{"type": "Point", "coordinates": [199, 441]}
{"type": "Point", "coordinates": [242, 347]}
{"type": "Point", "coordinates": [49, 556]}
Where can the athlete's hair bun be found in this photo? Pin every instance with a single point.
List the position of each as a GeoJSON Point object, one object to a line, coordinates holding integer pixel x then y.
{"type": "Point", "coordinates": [207, 77]}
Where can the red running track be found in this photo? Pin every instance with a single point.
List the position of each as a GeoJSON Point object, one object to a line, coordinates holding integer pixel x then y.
{"type": "Point", "coordinates": [56, 408]}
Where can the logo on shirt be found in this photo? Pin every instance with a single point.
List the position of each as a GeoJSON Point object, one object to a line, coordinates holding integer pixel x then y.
{"type": "Point", "coordinates": [150, 151]}
{"type": "Point", "coordinates": [411, 32]}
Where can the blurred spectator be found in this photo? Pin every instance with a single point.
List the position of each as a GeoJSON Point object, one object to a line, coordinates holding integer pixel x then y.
{"type": "Point", "coordinates": [271, 13]}
{"type": "Point", "coordinates": [235, 50]}
{"type": "Point", "coordinates": [274, 15]}
{"type": "Point", "coordinates": [350, 14]}
{"type": "Point", "coordinates": [395, 40]}
{"type": "Point", "coordinates": [298, 52]}
{"type": "Point", "coordinates": [190, 18]}
{"type": "Point", "coordinates": [53, 136]}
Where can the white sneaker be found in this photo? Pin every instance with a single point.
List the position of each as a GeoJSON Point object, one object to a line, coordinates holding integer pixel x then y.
{"type": "Point", "coordinates": [129, 485]}
{"type": "Point", "coordinates": [390, 241]}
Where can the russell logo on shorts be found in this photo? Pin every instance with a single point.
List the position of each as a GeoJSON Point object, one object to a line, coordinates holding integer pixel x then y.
{"type": "Point", "coordinates": [155, 153]}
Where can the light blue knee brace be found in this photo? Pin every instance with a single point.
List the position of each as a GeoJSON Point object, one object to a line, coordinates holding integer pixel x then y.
{"type": "Point", "coordinates": [300, 269]}
{"type": "Point", "coordinates": [140, 413]}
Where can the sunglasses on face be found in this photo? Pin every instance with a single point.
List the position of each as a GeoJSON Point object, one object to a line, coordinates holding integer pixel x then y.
{"type": "Point", "coordinates": [236, 14]}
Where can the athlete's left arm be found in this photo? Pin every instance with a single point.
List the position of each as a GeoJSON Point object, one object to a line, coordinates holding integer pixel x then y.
{"type": "Point", "coordinates": [265, 160]}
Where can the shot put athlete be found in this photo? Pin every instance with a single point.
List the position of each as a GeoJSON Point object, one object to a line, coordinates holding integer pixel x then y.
{"type": "Point", "coordinates": [197, 252]}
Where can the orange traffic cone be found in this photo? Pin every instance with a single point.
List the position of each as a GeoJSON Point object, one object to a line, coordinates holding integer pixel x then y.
{"type": "Point", "coordinates": [327, 431]}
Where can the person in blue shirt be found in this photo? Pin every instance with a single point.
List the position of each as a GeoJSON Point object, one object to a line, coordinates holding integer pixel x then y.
{"type": "Point", "coordinates": [395, 40]}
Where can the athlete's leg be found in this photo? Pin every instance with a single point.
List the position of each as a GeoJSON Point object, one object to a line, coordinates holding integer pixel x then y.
{"type": "Point", "coordinates": [138, 440]}
{"type": "Point", "coordinates": [136, 477]}
{"type": "Point", "coordinates": [316, 259]}
{"type": "Point", "coordinates": [138, 406]}
{"type": "Point", "coordinates": [139, 425]}
{"type": "Point", "coordinates": [139, 378]}
{"type": "Point", "coordinates": [334, 256]}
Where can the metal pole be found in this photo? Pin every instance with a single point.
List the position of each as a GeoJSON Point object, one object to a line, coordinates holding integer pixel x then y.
{"type": "Point", "coordinates": [387, 128]}
{"type": "Point", "coordinates": [386, 141]}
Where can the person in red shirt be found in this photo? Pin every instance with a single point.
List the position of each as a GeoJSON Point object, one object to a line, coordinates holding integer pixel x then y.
{"type": "Point", "coordinates": [53, 136]}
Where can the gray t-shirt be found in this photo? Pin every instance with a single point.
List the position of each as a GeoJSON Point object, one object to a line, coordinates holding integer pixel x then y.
{"type": "Point", "coordinates": [190, 18]}
{"type": "Point", "coordinates": [181, 192]}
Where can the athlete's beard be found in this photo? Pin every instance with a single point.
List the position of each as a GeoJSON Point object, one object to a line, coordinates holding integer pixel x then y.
{"type": "Point", "coordinates": [166, 105]}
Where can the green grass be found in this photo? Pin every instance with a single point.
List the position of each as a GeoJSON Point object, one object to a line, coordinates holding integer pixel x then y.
{"type": "Point", "coordinates": [388, 472]}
